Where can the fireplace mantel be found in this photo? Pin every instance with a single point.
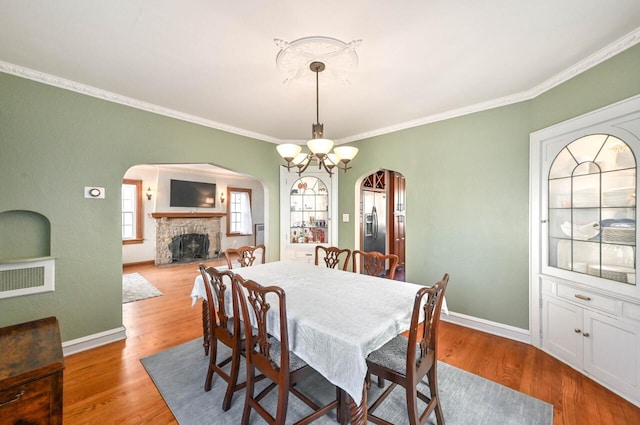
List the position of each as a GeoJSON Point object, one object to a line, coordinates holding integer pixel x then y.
{"type": "Point", "coordinates": [186, 215]}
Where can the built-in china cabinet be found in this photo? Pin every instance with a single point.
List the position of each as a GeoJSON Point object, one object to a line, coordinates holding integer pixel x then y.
{"type": "Point", "coordinates": [585, 301]}
{"type": "Point", "coordinates": [308, 207]}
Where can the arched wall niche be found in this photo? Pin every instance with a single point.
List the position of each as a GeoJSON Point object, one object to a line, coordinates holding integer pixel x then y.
{"type": "Point", "coordinates": [24, 234]}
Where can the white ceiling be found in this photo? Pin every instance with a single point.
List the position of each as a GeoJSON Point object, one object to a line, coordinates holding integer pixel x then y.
{"type": "Point", "coordinates": [213, 61]}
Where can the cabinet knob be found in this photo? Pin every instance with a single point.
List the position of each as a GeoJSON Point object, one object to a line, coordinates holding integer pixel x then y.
{"type": "Point", "coordinates": [582, 297]}
{"type": "Point", "coordinates": [576, 330]}
{"type": "Point", "coordinates": [543, 221]}
{"type": "Point", "coordinates": [586, 334]}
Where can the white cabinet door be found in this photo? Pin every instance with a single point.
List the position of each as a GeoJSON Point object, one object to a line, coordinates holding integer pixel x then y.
{"type": "Point", "coordinates": [562, 330]}
{"type": "Point", "coordinates": [611, 351]}
{"type": "Point", "coordinates": [604, 347]}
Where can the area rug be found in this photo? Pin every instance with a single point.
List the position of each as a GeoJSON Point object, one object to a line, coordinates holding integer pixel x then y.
{"type": "Point", "coordinates": [135, 287]}
{"type": "Point", "coordinates": [179, 375]}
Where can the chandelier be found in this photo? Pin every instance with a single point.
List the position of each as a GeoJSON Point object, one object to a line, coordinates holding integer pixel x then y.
{"type": "Point", "coordinates": [293, 59]}
{"type": "Point", "coordinates": [319, 147]}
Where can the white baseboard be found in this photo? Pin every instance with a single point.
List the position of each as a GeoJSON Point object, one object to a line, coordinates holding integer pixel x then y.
{"type": "Point", "coordinates": [494, 328]}
{"type": "Point", "coordinates": [511, 332]}
{"type": "Point", "coordinates": [92, 341]}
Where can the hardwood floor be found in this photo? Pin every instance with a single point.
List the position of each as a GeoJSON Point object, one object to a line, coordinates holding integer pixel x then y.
{"type": "Point", "coordinates": [109, 385]}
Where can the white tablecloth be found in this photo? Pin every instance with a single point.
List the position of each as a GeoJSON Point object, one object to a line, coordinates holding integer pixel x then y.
{"type": "Point", "coordinates": [335, 318]}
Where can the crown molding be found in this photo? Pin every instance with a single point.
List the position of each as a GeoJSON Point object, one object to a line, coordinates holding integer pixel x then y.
{"type": "Point", "coordinates": [600, 56]}
{"type": "Point", "coordinates": [63, 83]}
{"type": "Point", "coordinates": [627, 41]}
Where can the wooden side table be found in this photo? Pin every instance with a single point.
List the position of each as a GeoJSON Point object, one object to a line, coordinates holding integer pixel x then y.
{"type": "Point", "coordinates": [31, 366]}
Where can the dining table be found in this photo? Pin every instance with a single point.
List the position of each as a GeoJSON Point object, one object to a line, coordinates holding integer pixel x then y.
{"type": "Point", "coordinates": [335, 319]}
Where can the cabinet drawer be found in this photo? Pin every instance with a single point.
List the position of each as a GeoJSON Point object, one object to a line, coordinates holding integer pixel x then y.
{"type": "Point", "coordinates": [631, 311]}
{"type": "Point", "coordinates": [589, 299]}
{"type": "Point", "coordinates": [304, 254]}
{"type": "Point", "coordinates": [32, 403]}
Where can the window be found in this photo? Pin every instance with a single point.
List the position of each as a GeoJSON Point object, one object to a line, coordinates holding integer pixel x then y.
{"type": "Point", "coordinates": [131, 211]}
{"type": "Point", "coordinates": [239, 212]}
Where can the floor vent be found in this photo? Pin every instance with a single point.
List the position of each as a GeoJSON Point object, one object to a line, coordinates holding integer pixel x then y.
{"type": "Point", "coordinates": [26, 277]}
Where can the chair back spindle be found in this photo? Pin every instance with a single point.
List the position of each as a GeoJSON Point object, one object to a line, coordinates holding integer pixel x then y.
{"type": "Point", "coordinates": [245, 255]}
{"type": "Point", "coordinates": [332, 256]}
{"type": "Point", "coordinates": [374, 263]}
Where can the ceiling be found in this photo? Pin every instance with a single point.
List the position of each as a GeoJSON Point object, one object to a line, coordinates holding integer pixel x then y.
{"type": "Point", "coordinates": [214, 61]}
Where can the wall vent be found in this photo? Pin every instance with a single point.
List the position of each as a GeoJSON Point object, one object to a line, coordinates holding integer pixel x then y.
{"type": "Point", "coordinates": [23, 277]}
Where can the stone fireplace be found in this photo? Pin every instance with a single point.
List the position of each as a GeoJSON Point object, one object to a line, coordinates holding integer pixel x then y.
{"type": "Point", "coordinates": [187, 237]}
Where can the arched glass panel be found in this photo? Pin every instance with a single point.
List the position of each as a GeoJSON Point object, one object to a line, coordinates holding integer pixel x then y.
{"type": "Point", "coordinates": [592, 208]}
{"type": "Point", "coordinates": [309, 211]}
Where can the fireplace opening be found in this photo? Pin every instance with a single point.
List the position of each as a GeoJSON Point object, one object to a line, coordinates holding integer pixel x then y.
{"type": "Point", "coordinates": [189, 247]}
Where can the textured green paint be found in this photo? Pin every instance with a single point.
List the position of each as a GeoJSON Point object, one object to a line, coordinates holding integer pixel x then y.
{"type": "Point", "coordinates": [467, 189]}
{"type": "Point", "coordinates": [467, 207]}
{"type": "Point", "coordinates": [610, 82]}
{"type": "Point", "coordinates": [24, 234]}
{"type": "Point", "coordinates": [53, 143]}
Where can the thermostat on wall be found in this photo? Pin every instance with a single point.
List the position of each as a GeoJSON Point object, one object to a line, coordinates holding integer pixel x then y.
{"type": "Point", "coordinates": [94, 192]}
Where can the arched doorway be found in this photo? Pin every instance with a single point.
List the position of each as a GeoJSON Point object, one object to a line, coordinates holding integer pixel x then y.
{"type": "Point", "coordinates": [382, 215]}
{"type": "Point", "coordinates": [210, 221]}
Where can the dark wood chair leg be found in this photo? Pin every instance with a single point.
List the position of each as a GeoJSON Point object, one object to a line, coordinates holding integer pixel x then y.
{"type": "Point", "coordinates": [246, 411]}
{"type": "Point", "coordinates": [233, 379]}
{"type": "Point", "coordinates": [412, 404]}
{"type": "Point", "coordinates": [206, 343]}
{"type": "Point", "coordinates": [212, 363]}
{"type": "Point", "coordinates": [433, 387]}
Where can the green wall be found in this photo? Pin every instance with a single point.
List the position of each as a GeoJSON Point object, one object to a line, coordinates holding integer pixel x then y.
{"type": "Point", "coordinates": [467, 207]}
{"type": "Point", "coordinates": [53, 142]}
{"type": "Point", "coordinates": [467, 189]}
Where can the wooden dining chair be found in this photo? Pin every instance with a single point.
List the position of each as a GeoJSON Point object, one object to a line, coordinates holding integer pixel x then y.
{"type": "Point", "coordinates": [406, 361]}
{"type": "Point", "coordinates": [223, 328]}
{"type": "Point", "coordinates": [332, 256]}
{"type": "Point", "coordinates": [272, 357]}
{"type": "Point", "coordinates": [374, 263]}
{"type": "Point", "coordinates": [244, 255]}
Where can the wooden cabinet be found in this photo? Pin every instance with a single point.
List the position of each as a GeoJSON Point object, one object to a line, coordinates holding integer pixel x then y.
{"type": "Point", "coordinates": [31, 367]}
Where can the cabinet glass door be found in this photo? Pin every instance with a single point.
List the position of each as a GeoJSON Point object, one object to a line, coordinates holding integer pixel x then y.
{"type": "Point", "coordinates": [592, 208]}
{"type": "Point", "coordinates": [309, 203]}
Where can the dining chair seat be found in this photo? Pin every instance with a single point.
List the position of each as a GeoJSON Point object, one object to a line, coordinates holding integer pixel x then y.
{"type": "Point", "coordinates": [392, 355]}
{"type": "Point", "coordinates": [240, 333]}
{"type": "Point", "coordinates": [295, 362]}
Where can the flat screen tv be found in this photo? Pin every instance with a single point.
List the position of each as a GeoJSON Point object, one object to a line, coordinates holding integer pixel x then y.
{"type": "Point", "coordinates": [192, 194]}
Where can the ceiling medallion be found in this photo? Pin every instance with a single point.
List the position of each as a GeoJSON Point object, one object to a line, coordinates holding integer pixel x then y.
{"type": "Point", "coordinates": [295, 58]}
